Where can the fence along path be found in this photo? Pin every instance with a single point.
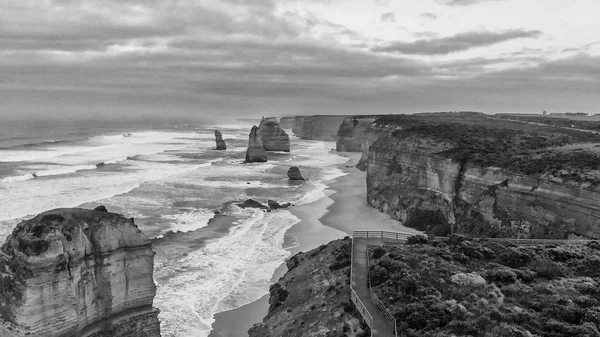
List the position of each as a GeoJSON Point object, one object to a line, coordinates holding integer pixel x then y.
{"type": "Point", "coordinates": [373, 311]}
{"type": "Point", "coordinates": [367, 303]}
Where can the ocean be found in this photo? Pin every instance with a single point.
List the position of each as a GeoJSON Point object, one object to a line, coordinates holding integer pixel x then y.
{"type": "Point", "coordinates": [211, 255]}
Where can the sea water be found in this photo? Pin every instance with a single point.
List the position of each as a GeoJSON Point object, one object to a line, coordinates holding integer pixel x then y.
{"type": "Point", "coordinates": [212, 255]}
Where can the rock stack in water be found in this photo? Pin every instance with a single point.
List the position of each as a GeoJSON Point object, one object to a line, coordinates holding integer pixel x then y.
{"type": "Point", "coordinates": [220, 142]}
{"type": "Point", "coordinates": [273, 137]}
{"type": "Point", "coordinates": [77, 272]}
{"type": "Point", "coordinates": [294, 174]}
{"type": "Point", "coordinates": [256, 152]}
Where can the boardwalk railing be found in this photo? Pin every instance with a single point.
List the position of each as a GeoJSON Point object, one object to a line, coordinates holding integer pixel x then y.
{"type": "Point", "coordinates": [378, 302]}
{"type": "Point", "coordinates": [360, 306]}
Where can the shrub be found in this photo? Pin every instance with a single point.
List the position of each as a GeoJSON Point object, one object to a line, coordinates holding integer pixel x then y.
{"type": "Point", "coordinates": [417, 240]}
{"type": "Point", "coordinates": [546, 268]}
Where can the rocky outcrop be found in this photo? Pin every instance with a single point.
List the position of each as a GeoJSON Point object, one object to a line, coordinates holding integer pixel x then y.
{"type": "Point", "coordinates": [294, 173]}
{"type": "Point", "coordinates": [286, 122]}
{"type": "Point", "coordinates": [320, 127]}
{"type": "Point", "coordinates": [76, 272]}
{"type": "Point", "coordinates": [273, 137]}
{"type": "Point", "coordinates": [500, 183]}
{"type": "Point", "coordinates": [313, 297]}
{"type": "Point", "coordinates": [219, 140]}
{"type": "Point", "coordinates": [255, 152]}
{"type": "Point", "coordinates": [352, 132]}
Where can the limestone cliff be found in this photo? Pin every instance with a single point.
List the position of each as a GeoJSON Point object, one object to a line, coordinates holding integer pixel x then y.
{"type": "Point", "coordinates": [313, 297]}
{"type": "Point", "coordinates": [352, 132]}
{"type": "Point", "coordinates": [320, 127]}
{"type": "Point", "coordinates": [255, 152]}
{"type": "Point", "coordinates": [509, 181]}
{"type": "Point", "coordinates": [219, 140]}
{"type": "Point", "coordinates": [273, 137]}
{"type": "Point", "coordinates": [286, 122]}
{"type": "Point", "coordinates": [77, 272]}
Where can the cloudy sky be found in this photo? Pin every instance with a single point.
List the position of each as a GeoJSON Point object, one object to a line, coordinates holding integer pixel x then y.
{"type": "Point", "coordinates": [206, 58]}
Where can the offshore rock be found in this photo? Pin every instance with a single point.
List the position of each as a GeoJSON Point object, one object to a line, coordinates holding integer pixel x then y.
{"type": "Point", "coordinates": [219, 140]}
{"type": "Point", "coordinates": [255, 152]}
{"type": "Point", "coordinates": [250, 203]}
{"type": "Point", "coordinates": [273, 137]}
{"type": "Point", "coordinates": [294, 174]}
{"type": "Point", "coordinates": [275, 205]}
{"type": "Point", "coordinates": [77, 272]}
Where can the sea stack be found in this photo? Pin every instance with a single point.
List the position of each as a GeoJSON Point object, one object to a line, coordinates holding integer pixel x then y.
{"type": "Point", "coordinates": [220, 142]}
{"type": "Point", "coordinates": [294, 173]}
{"type": "Point", "coordinates": [256, 152]}
{"type": "Point", "coordinates": [77, 272]}
{"type": "Point", "coordinates": [273, 137]}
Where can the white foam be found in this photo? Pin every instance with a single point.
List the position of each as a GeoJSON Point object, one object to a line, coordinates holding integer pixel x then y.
{"type": "Point", "coordinates": [227, 273]}
{"type": "Point", "coordinates": [17, 178]}
{"type": "Point", "coordinates": [189, 221]}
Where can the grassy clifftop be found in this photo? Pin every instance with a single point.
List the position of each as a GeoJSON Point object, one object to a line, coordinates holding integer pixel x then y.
{"type": "Point", "coordinates": [481, 288]}
{"type": "Point", "coordinates": [531, 149]}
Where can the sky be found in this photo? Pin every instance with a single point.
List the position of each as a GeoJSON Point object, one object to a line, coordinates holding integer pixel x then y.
{"type": "Point", "coordinates": [223, 58]}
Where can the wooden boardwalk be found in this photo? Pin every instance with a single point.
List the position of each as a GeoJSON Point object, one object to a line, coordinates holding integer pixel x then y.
{"type": "Point", "coordinates": [380, 324]}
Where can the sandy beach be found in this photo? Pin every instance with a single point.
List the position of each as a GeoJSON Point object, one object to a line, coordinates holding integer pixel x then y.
{"type": "Point", "coordinates": [333, 217]}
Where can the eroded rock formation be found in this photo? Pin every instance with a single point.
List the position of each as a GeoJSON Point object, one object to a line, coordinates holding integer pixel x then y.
{"type": "Point", "coordinates": [497, 182]}
{"type": "Point", "coordinates": [273, 137]}
{"type": "Point", "coordinates": [219, 140]}
{"type": "Point", "coordinates": [77, 272]}
{"type": "Point", "coordinates": [255, 152]}
{"type": "Point", "coordinates": [294, 173]}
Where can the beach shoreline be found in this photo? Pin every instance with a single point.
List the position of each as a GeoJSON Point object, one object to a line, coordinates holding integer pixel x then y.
{"type": "Point", "coordinates": [334, 216]}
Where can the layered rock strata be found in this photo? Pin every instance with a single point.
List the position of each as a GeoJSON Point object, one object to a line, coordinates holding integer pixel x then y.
{"type": "Point", "coordinates": [77, 272]}
{"type": "Point", "coordinates": [273, 137]}
{"type": "Point", "coordinates": [445, 180]}
{"type": "Point", "coordinates": [219, 141]}
{"type": "Point", "coordinates": [255, 152]}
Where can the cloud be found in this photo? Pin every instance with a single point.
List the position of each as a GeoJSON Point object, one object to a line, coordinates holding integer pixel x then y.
{"type": "Point", "coordinates": [428, 16]}
{"type": "Point", "coordinates": [388, 17]}
{"type": "Point", "coordinates": [464, 2]}
{"type": "Point", "coordinates": [455, 43]}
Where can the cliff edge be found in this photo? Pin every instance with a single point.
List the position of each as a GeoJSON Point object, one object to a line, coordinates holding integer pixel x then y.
{"type": "Point", "coordinates": [313, 297]}
{"type": "Point", "coordinates": [77, 272]}
{"type": "Point", "coordinates": [486, 177]}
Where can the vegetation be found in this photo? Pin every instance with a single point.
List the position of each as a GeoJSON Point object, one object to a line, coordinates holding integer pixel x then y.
{"type": "Point", "coordinates": [557, 121]}
{"type": "Point", "coordinates": [518, 147]}
{"type": "Point", "coordinates": [476, 287]}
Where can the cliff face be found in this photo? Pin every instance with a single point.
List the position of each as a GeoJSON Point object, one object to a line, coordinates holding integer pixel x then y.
{"type": "Point", "coordinates": [286, 122]}
{"type": "Point", "coordinates": [273, 137]}
{"type": "Point", "coordinates": [411, 177]}
{"type": "Point", "coordinates": [255, 152]}
{"type": "Point", "coordinates": [352, 133]}
{"type": "Point", "coordinates": [313, 297]}
{"type": "Point", "coordinates": [318, 127]}
{"type": "Point", "coordinates": [76, 272]}
{"type": "Point", "coordinates": [298, 125]}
